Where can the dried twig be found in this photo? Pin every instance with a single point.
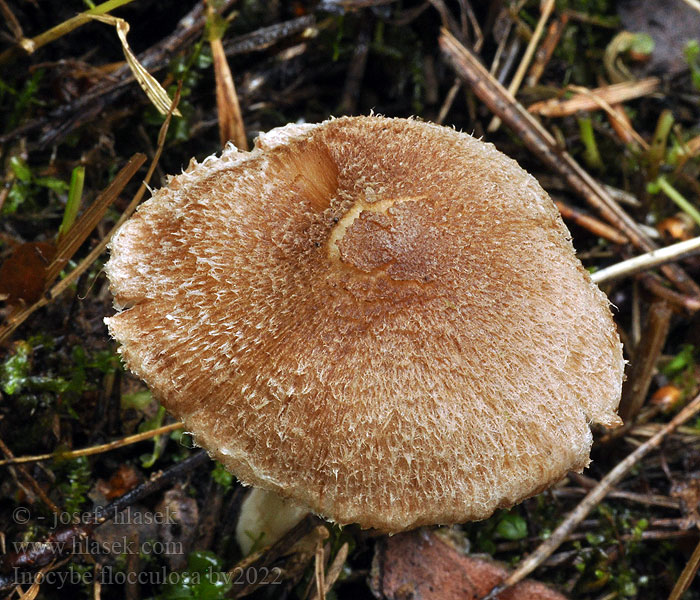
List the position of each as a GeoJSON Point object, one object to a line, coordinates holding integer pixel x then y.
{"type": "Point", "coordinates": [334, 570]}
{"type": "Point", "coordinates": [647, 261]}
{"type": "Point", "coordinates": [688, 574]}
{"type": "Point", "coordinates": [647, 499]}
{"type": "Point", "coordinates": [592, 224]}
{"type": "Point", "coordinates": [547, 8]}
{"type": "Point", "coordinates": [656, 285]}
{"type": "Point", "coordinates": [613, 115]}
{"type": "Point", "coordinates": [265, 37]}
{"type": "Point", "coordinates": [592, 499]}
{"type": "Point", "coordinates": [125, 441]}
{"type": "Point", "coordinates": [319, 571]}
{"type": "Point", "coordinates": [447, 103]}
{"type": "Point", "coordinates": [546, 49]}
{"type": "Point", "coordinates": [646, 355]}
{"type": "Point", "coordinates": [541, 142]}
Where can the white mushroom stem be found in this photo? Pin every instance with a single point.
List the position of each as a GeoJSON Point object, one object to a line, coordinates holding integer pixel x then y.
{"type": "Point", "coordinates": [647, 261]}
{"type": "Point", "coordinates": [265, 517]}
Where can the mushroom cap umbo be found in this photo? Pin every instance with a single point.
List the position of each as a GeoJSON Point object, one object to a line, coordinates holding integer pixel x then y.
{"type": "Point", "coordinates": [381, 319]}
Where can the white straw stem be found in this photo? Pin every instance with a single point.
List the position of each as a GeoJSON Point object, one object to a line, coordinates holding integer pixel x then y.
{"type": "Point", "coordinates": [646, 261]}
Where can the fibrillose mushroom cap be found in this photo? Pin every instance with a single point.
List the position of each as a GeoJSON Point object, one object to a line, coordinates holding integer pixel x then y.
{"type": "Point", "coordinates": [381, 319]}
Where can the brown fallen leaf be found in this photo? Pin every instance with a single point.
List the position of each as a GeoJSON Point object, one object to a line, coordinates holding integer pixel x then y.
{"type": "Point", "coordinates": [123, 480]}
{"type": "Point", "coordinates": [421, 565]}
{"type": "Point", "coordinates": [23, 274]}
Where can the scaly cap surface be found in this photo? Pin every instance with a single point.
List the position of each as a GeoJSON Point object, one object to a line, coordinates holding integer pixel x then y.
{"type": "Point", "coordinates": [381, 319]}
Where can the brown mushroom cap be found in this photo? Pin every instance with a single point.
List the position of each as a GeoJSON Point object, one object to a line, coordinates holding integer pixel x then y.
{"type": "Point", "coordinates": [381, 319]}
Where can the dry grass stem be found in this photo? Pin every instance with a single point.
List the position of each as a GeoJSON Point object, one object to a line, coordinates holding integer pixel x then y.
{"type": "Point", "coordinates": [20, 314]}
{"type": "Point", "coordinates": [155, 92]}
{"type": "Point", "coordinates": [33, 44]}
{"type": "Point", "coordinates": [71, 454]}
{"type": "Point", "coordinates": [589, 100]}
{"type": "Point", "coordinates": [648, 260]}
{"type": "Point", "coordinates": [547, 8]}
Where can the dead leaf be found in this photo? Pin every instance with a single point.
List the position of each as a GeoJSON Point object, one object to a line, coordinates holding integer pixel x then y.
{"type": "Point", "coordinates": [23, 274]}
{"type": "Point", "coordinates": [125, 478]}
{"type": "Point", "coordinates": [420, 565]}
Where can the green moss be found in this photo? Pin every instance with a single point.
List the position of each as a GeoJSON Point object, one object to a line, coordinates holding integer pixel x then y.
{"type": "Point", "coordinates": [74, 477]}
{"type": "Point", "coordinates": [204, 579]}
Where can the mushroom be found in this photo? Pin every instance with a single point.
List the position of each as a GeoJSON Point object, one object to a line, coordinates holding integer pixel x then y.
{"type": "Point", "coordinates": [380, 319]}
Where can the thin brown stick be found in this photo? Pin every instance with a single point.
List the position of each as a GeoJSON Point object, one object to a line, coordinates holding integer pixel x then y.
{"type": "Point", "coordinates": [319, 570]}
{"type": "Point", "coordinates": [334, 570]}
{"type": "Point", "coordinates": [595, 226]}
{"type": "Point", "coordinates": [647, 499]}
{"type": "Point", "coordinates": [547, 8]}
{"type": "Point", "coordinates": [639, 377]}
{"type": "Point", "coordinates": [592, 499]}
{"type": "Point", "coordinates": [543, 145]}
{"type": "Point", "coordinates": [656, 286]}
{"type": "Point", "coordinates": [101, 448]}
{"type": "Point", "coordinates": [546, 49]}
{"type": "Point", "coordinates": [621, 122]}
{"type": "Point", "coordinates": [29, 479]}
{"type": "Point", "coordinates": [687, 576]}
{"type": "Point", "coordinates": [449, 100]}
